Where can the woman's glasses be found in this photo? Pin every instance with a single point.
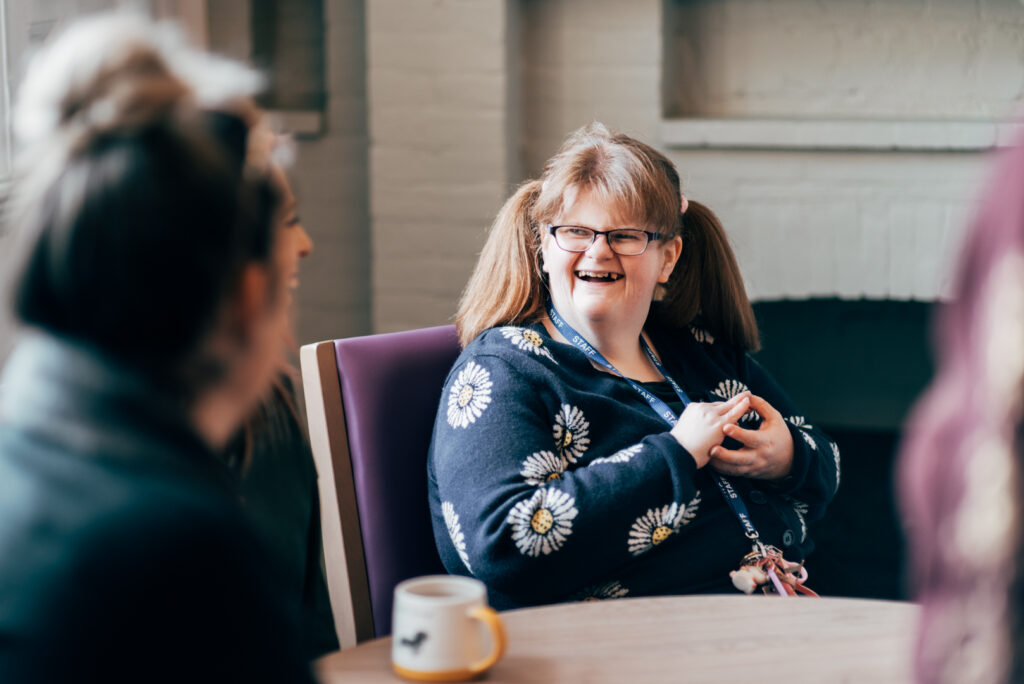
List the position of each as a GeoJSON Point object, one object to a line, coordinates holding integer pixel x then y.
{"type": "Point", "coordinates": [622, 241]}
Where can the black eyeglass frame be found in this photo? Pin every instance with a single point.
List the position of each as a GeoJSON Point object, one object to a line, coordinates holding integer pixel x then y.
{"type": "Point", "coordinates": [593, 238]}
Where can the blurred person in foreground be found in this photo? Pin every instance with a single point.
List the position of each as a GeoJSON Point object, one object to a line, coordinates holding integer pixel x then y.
{"type": "Point", "coordinates": [960, 467]}
{"type": "Point", "coordinates": [593, 442]}
{"type": "Point", "coordinates": [152, 288]}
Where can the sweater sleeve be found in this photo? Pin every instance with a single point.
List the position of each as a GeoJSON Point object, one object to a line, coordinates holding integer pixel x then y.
{"type": "Point", "coordinates": [814, 477]}
{"type": "Point", "coordinates": [522, 510]}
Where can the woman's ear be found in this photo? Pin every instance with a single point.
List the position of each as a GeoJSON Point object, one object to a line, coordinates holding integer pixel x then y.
{"type": "Point", "coordinates": [671, 249]}
{"type": "Point", "coordinates": [250, 303]}
{"type": "Point", "coordinates": [252, 299]}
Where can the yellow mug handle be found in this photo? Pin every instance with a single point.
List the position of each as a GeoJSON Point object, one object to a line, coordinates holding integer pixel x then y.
{"type": "Point", "coordinates": [489, 617]}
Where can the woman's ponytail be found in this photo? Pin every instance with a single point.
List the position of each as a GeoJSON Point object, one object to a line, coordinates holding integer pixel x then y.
{"type": "Point", "coordinates": [707, 281]}
{"type": "Point", "coordinates": [506, 284]}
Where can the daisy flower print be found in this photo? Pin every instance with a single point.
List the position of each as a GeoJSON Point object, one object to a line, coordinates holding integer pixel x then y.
{"type": "Point", "coordinates": [658, 524]}
{"type": "Point", "coordinates": [602, 592]}
{"type": "Point", "coordinates": [542, 523]}
{"type": "Point", "coordinates": [451, 521]}
{"type": "Point", "coordinates": [727, 389]}
{"type": "Point", "coordinates": [469, 396]}
{"type": "Point", "coordinates": [526, 340]}
{"type": "Point", "coordinates": [570, 432]}
{"type": "Point", "coordinates": [622, 456]}
{"type": "Point", "coordinates": [542, 467]}
{"type": "Point", "coordinates": [702, 335]}
{"type": "Point", "coordinates": [801, 422]}
{"type": "Point", "coordinates": [835, 455]}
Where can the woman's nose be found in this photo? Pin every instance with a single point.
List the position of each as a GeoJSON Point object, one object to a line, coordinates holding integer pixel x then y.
{"type": "Point", "coordinates": [600, 247]}
{"type": "Point", "coordinates": [305, 242]}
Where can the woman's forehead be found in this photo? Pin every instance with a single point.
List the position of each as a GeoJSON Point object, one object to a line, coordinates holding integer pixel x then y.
{"type": "Point", "coordinates": [280, 181]}
{"type": "Point", "coordinates": [576, 199]}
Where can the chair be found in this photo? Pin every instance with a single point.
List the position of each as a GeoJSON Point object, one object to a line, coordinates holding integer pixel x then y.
{"type": "Point", "coordinates": [371, 403]}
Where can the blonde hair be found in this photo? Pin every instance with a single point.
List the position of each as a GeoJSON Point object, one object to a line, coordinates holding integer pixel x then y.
{"type": "Point", "coordinates": [508, 286]}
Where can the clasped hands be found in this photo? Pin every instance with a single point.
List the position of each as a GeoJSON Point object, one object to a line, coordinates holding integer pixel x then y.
{"type": "Point", "coordinates": [766, 454]}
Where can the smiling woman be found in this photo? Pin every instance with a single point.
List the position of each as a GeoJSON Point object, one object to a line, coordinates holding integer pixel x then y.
{"type": "Point", "coordinates": [604, 425]}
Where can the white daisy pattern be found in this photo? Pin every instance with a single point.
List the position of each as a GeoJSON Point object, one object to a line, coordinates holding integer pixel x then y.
{"type": "Point", "coordinates": [621, 456]}
{"type": "Point", "coordinates": [570, 432]}
{"type": "Point", "coordinates": [542, 467]}
{"type": "Point", "coordinates": [602, 592]}
{"type": "Point", "coordinates": [527, 340]}
{"type": "Point", "coordinates": [800, 422]}
{"type": "Point", "coordinates": [702, 335]}
{"type": "Point", "coordinates": [451, 521]}
{"type": "Point", "coordinates": [800, 508]}
{"type": "Point", "coordinates": [835, 454]}
{"type": "Point", "coordinates": [727, 389]}
{"type": "Point", "coordinates": [469, 396]}
{"type": "Point", "coordinates": [658, 524]}
{"type": "Point", "coordinates": [541, 524]}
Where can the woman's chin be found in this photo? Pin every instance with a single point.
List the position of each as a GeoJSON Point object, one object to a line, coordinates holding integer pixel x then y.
{"type": "Point", "coordinates": [597, 314]}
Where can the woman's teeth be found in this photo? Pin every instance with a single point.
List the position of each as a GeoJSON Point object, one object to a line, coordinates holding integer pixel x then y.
{"type": "Point", "coordinates": [598, 276]}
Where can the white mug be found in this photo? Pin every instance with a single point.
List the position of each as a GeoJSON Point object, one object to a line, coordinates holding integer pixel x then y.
{"type": "Point", "coordinates": [439, 629]}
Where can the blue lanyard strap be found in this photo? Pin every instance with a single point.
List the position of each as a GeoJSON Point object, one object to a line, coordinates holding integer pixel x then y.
{"type": "Point", "coordinates": [731, 496]}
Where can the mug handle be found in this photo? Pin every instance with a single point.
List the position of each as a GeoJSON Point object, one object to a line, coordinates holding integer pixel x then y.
{"type": "Point", "coordinates": [489, 617]}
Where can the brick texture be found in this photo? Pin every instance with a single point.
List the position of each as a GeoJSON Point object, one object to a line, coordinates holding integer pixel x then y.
{"type": "Point", "coordinates": [440, 155]}
{"type": "Point", "coordinates": [330, 177]}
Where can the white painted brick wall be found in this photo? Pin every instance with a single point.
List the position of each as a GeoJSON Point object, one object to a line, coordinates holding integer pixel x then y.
{"type": "Point", "coordinates": [821, 224]}
{"type": "Point", "coordinates": [854, 58]}
{"type": "Point", "coordinates": [330, 176]}
{"type": "Point", "coordinates": [332, 184]}
{"type": "Point", "coordinates": [439, 85]}
{"type": "Point", "coordinates": [586, 60]}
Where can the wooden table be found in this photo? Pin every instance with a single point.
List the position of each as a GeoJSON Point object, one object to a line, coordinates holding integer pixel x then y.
{"type": "Point", "coordinates": [685, 638]}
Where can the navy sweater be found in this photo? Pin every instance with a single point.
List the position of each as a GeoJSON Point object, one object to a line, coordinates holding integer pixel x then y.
{"type": "Point", "coordinates": [551, 480]}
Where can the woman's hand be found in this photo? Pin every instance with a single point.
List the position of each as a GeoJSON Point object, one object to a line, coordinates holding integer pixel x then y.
{"type": "Point", "coordinates": [701, 426]}
{"type": "Point", "coordinates": [767, 453]}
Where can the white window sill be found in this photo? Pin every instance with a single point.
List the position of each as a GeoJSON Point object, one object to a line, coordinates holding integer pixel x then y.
{"type": "Point", "coordinates": [838, 134]}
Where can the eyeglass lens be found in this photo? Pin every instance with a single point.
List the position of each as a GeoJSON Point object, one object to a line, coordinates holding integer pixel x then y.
{"type": "Point", "coordinates": [624, 241]}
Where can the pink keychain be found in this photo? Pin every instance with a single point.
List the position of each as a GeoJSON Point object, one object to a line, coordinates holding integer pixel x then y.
{"type": "Point", "coordinates": [765, 567]}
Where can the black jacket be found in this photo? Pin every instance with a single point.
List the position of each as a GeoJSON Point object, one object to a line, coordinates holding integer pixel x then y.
{"type": "Point", "coordinates": [278, 486]}
{"type": "Point", "coordinates": [123, 553]}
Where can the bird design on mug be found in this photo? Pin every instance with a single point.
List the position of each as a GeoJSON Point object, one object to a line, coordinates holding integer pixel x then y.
{"type": "Point", "coordinates": [415, 642]}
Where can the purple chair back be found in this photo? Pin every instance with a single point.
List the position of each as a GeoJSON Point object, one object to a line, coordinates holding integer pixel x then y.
{"type": "Point", "coordinates": [389, 387]}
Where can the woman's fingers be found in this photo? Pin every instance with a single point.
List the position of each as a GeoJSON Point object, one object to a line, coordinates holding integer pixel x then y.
{"type": "Point", "coordinates": [732, 461]}
{"type": "Point", "coordinates": [726, 406]}
{"type": "Point", "coordinates": [762, 407]}
{"type": "Point", "coordinates": [750, 438]}
{"type": "Point", "coordinates": [736, 411]}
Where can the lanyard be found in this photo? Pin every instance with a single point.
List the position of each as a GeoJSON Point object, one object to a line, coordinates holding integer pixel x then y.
{"type": "Point", "coordinates": [731, 496]}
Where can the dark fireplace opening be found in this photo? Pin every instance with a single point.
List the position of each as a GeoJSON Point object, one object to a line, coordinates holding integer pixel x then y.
{"type": "Point", "coordinates": [854, 367]}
